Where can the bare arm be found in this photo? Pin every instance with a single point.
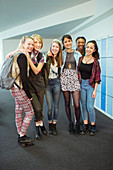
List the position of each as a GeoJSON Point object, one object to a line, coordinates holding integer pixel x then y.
{"type": "Point", "coordinates": [13, 52]}
{"type": "Point", "coordinates": [35, 69]}
{"type": "Point", "coordinates": [9, 55]}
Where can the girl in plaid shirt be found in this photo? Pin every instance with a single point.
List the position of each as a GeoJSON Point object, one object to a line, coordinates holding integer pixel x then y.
{"type": "Point", "coordinates": [89, 77]}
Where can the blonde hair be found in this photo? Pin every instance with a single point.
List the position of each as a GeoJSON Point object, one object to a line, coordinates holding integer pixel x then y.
{"type": "Point", "coordinates": [22, 41]}
{"type": "Point", "coordinates": [39, 38]}
{"type": "Point", "coordinates": [58, 58]}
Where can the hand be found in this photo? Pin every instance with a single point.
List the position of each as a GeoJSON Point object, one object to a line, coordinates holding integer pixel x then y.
{"type": "Point", "coordinates": [94, 94]}
{"type": "Point", "coordinates": [10, 55]}
{"type": "Point", "coordinates": [14, 52]}
{"type": "Point", "coordinates": [31, 99]}
{"type": "Point", "coordinates": [50, 54]}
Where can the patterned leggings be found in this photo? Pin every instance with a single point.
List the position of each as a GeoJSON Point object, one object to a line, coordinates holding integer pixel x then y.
{"type": "Point", "coordinates": [22, 104]}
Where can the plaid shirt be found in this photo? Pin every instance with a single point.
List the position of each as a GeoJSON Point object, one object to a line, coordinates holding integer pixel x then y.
{"type": "Point", "coordinates": [34, 56]}
{"type": "Point", "coordinates": [95, 74]}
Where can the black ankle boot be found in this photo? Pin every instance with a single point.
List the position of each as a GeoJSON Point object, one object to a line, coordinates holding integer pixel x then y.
{"type": "Point", "coordinates": [50, 128]}
{"type": "Point", "coordinates": [43, 130]}
{"type": "Point", "coordinates": [71, 129]}
{"type": "Point", "coordinates": [92, 131]}
{"type": "Point", "coordinates": [37, 133]}
{"type": "Point", "coordinates": [77, 130]}
{"type": "Point", "coordinates": [54, 130]}
{"type": "Point", "coordinates": [85, 129]}
{"type": "Point", "coordinates": [25, 140]}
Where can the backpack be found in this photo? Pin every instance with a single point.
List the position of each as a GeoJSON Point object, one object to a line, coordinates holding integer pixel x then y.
{"type": "Point", "coordinates": [6, 79]}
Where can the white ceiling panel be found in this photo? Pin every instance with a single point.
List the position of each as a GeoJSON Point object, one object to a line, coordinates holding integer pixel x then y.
{"type": "Point", "coordinates": [17, 12]}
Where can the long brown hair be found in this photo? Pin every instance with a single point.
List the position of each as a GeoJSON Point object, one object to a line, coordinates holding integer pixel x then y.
{"type": "Point", "coordinates": [58, 58]}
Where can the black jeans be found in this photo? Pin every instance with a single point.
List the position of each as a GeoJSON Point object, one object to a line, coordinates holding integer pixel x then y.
{"type": "Point", "coordinates": [37, 90]}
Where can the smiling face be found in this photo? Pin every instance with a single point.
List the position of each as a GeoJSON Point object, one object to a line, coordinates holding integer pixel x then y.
{"type": "Point", "coordinates": [90, 48]}
{"type": "Point", "coordinates": [80, 43]}
{"type": "Point", "coordinates": [37, 44]}
{"type": "Point", "coordinates": [28, 45]}
{"type": "Point", "coordinates": [55, 48]}
{"type": "Point", "coordinates": [67, 43]}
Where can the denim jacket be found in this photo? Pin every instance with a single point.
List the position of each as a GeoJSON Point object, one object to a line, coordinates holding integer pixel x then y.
{"type": "Point", "coordinates": [76, 56]}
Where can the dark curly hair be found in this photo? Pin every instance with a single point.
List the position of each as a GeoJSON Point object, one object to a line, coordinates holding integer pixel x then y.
{"type": "Point", "coordinates": [96, 53]}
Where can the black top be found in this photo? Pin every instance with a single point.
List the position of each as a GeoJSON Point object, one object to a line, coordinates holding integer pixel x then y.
{"type": "Point", "coordinates": [22, 63]}
{"type": "Point", "coordinates": [70, 61]}
{"type": "Point", "coordinates": [37, 57]}
{"type": "Point", "coordinates": [36, 81]}
{"type": "Point", "coordinates": [85, 70]}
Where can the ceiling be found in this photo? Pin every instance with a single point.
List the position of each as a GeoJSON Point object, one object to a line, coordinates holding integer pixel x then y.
{"type": "Point", "coordinates": [17, 12]}
{"type": "Point", "coordinates": [57, 30]}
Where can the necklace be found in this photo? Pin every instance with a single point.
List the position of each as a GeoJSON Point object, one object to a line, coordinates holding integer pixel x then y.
{"type": "Point", "coordinates": [69, 58]}
{"type": "Point", "coordinates": [69, 65]}
{"type": "Point", "coordinates": [88, 59]}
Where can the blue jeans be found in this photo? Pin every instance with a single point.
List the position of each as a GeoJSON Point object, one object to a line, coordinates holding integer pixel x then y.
{"type": "Point", "coordinates": [87, 102]}
{"type": "Point", "coordinates": [52, 92]}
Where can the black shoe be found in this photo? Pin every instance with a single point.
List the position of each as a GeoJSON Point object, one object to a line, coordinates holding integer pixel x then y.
{"type": "Point", "coordinates": [71, 129]}
{"type": "Point", "coordinates": [77, 130]}
{"type": "Point", "coordinates": [50, 128]}
{"type": "Point", "coordinates": [37, 133]}
{"type": "Point", "coordinates": [92, 131]}
{"type": "Point", "coordinates": [25, 140]}
{"type": "Point", "coordinates": [43, 130]}
{"type": "Point", "coordinates": [85, 129]}
{"type": "Point", "coordinates": [54, 130]}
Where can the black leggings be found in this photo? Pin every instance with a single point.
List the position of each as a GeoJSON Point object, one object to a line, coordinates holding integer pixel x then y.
{"type": "Point", "coordinates": [76, 97]}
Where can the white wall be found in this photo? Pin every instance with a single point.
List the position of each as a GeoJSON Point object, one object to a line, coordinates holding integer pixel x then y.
{"type": "Point", "coordinates": [100, 28]}
{"type": "Point", "coordinates": [99, 25]}
{"type": "Point", "coordinates": [57, 18]}
{"type": "Point", "coordinates": [1, 50]}
{"type": "Point", "coordinates": [46, 45]}
{"type": "Point", "coordinates": [66, 15]}
{"type": "Point", "coordinates": [11, 44]}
